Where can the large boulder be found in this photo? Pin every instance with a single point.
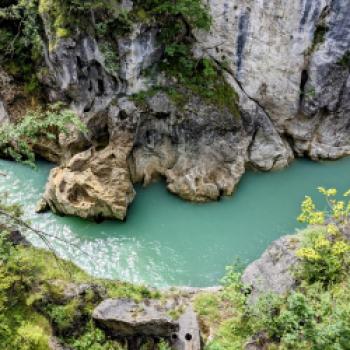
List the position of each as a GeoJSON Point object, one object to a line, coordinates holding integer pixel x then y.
{"type": "Point", "coordinates": [94, 184]}
{"type": "Point", "coordinates": [172, 319]}
{"type": "Point", "coordinates": [126, 318]}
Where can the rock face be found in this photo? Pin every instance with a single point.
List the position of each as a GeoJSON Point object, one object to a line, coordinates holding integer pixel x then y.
{"type": "Point", "coordinates": [201, 151]}
{"type": "Point", "coordinates": [272, 272]}
{"type": "Point", "coordinates": [188, 337]}
{"type": "Point", "coordinates": [291, 58]}
{"type": "Point", "coordinates": [125, 318]}
{"type": "Point", "coordinates": [288, 63]}
{"type": "Point", "coordinates": [150, 319]}
{"type": "Point", "coordinates": [323, 130]}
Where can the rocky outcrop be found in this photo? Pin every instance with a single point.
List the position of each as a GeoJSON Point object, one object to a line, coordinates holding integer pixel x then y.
{"type": "Point", "coordinates": [321, 129]}
{"type": "Point", "coordinates": [188, 336]}
{"type": "Point", "coordinates": [94, 184]}
{"type": "Point", "coordinates": [125, 318]}
{"type": "Point", "coordinates": [150, 319]}
{"type": "Point", "coordinates": [273, 271]}
{"type": "Point", "coordinates": [200, 150]}
{"type": "Point", "coordinates": [287, 63]}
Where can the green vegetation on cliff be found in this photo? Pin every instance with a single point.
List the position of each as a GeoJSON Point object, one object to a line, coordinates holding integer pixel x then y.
{"type": "Point", "coordinates": [38, 297]}
{"type": "Point", "coordinates": [28, 26]}
{"type": "Point", "coordinates": [16, 140]}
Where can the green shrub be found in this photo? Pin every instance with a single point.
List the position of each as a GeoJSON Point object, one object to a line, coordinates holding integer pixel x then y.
{"type": "Point", "coordinates": [94, 339]}
{"type": "Point", "coordinates": [65, 316]}
{"type": "Point", "coordinates": [324, 258]}
{"type": "Point", "coordinates": [32, 337]}
{"type": "Point", "coordinates": [16, 139]}
{"type": "Point", "coordinates": [21, 47]}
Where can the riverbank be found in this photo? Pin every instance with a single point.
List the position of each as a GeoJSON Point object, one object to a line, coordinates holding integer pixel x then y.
{"type": "Point", "coordinates": [54, 305]}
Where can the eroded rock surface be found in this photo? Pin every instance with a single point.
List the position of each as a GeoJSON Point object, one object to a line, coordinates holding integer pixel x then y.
{"type": "Point", "coordinates": [94, 184]}
{"type": "Point", "coordinates": [288, 63]}
{"type": "Point", "coordinates": [200, 150]}
{"type": "Point", "coordinates": [272, 272]}
{"type": "Point", "coordinates": [149, 320]}
{"type": "Point", "coordinates": [188, 336]}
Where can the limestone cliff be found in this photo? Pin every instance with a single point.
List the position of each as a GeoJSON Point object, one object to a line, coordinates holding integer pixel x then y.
{"type": "Point", "coordinates": [282, 66]}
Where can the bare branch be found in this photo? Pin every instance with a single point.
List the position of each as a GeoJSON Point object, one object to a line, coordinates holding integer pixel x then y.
{"type": "Point", "coordinates": [41, 234]}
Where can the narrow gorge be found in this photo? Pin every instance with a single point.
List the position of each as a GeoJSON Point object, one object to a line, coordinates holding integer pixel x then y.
{"type": "Point", "coordinates": [165, 98]}
{"type": "Point", "coordinates": [151, 144]}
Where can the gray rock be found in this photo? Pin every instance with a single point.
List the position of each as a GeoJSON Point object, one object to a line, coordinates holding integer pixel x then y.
{"type": "Point", "coordinates": [78, 73]}
{"type": "Point", "coordinates": [56, 344]}
{"type": "Point", "coordinates": [126, 318]}
{"type": "Point", "coordinates": [139, 50]}
{"type": "Point", "coordinates": [3, 113]}
{"type": "Point", "coordinates": [322, 129]}
{"type": "Point", "coordinates": [17, 238]}
{"type": "Point", "coordinates": [293, 94]}
{"type": "Point", "coordinates": [188, 337]}
{"type": "Point", "coordinates": [73, 290]}
{"type": "Point", "coordinates": [272, 272]}
{"type": "Point", "coordinates": [264, 43]}
{"type": "Point", "coordinates": [70, 290]}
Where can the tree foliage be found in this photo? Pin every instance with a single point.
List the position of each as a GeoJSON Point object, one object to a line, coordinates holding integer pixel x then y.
{"type": "Point", "coordinates": [16, 139]}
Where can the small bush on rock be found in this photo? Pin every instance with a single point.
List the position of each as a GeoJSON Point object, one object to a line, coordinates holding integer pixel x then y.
{"type": "Point", "coordinates": [16, 139]}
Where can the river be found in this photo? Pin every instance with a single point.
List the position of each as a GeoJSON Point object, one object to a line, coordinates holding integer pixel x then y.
{"type": "Point", "coordinates": [167, 241]}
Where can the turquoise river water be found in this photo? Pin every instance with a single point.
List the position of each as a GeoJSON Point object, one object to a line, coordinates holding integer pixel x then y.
{"type": "Point", "coordinates": [166, 241]}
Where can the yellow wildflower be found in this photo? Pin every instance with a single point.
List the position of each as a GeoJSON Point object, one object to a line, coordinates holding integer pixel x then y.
{"type": "Point", "coordinates": [332, 229]}
{"type": "Point", "coordinates": [317, 218]}
{"type": "Point", "coordinates": [347, 193]}
{"type": "Point", "coordinates": [330, 192]}
{"type": "Point", "coordinates": [322, 242]}
{"type": "Point", "coordinates": [308, 254]}
{"type": "Point", "coordinates": [340, 248]}
{"type": "Point", "coordinates": [338, 209]}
